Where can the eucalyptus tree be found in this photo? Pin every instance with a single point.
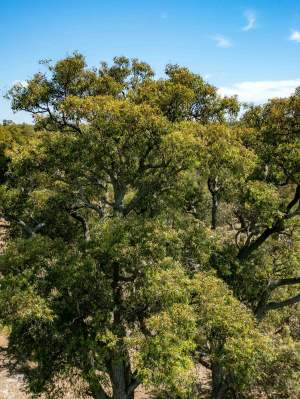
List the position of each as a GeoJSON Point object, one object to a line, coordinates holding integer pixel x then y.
{"type": "Point", "coordinates": [88, 271]}
{"type": "Point", "coordinates": [150, 230]}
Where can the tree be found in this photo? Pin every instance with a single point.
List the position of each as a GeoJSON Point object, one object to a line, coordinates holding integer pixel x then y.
{"type": "Point", "coordinates": [186, 96]}
{"type": "Point", "coordinates": [277, 144]}
{"type": "Point", "coordinates": [271, 200]}
{"type": "Point", "coordinates": [90, 279]}
{"type": "Point", "coordinates": [93, 308]}
{"type": "Point", "coordinates": [150, 230]}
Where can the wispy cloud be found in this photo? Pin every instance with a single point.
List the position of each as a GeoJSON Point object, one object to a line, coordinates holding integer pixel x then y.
{"type": "Point", "coordinates": [251, 20]}
{"type": "Point", "coordinates": [260, 91]}
{"type": "Point", "coordinates": [295, 36]}
{"type": "Point", "coordinates": [222, 41]}
{"type": "Point", "coordinates": [22, 83]}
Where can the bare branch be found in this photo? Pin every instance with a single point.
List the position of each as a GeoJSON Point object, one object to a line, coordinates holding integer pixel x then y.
{"type": "Point", "coordinates": [31, 231]}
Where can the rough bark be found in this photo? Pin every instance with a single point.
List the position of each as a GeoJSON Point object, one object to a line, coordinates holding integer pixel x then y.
{"type": "Point", "coordinates": [122, 379]}
{"type": "Point", "coordinates": [118, 379]}
{"type": "Point", "coordinates": [218, 383]}
{"type": "Point", "coordinates": [214, 189]}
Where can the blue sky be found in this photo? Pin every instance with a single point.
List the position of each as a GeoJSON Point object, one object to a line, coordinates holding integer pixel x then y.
{"type": "Point", "coordinates": [248, 48]}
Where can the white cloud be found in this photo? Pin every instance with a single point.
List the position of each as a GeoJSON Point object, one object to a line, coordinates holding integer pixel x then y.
{"type": "Point", "coordinates": [295, 36]}
{"type": "Point", "coordinates": [22, 83]}
{"type": "Point", "coordinates": [251, 20]}
{"type": "Point", "coordinates": [260, 91]}
{"type": "Point", "coordinates": [222, 41]}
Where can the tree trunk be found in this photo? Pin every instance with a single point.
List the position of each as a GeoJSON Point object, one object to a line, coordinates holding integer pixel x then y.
{"type": "Point", "coordinates": [123, 382]}
{"type": "Point", "coordinates": [214, 189]}
{"type": "Point", "coordinates": [121, 376]}
{"type": "Point", "coordinates": [218, 384]}
{"type": "Point", "coordinates": [118, 379]}
{"type": "Point", "coordinates": [214, 211]}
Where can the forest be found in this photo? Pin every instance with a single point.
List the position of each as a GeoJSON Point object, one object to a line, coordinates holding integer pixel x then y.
{"type": "Point", "coordinates": [151, 235]}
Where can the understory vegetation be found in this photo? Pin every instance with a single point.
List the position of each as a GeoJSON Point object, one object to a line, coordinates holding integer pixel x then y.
{"type": "Point", "coordinates": [152, 226]}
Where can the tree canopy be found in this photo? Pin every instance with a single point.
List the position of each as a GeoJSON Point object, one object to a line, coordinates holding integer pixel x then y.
{"type": "Point", "coordinates": [152, 228]}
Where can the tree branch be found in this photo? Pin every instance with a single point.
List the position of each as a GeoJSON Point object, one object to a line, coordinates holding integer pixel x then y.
{"type": "Point", "coordinates": [264, 306]}
{"type": "Point", "coordinates": [278, 226]}
{"type": "Point", "coordinates": [135, 382]}
{"type": "Point", "coordinates": [85, 226]}
{"type": "Point", "coordinates": [247, 250]}
{"type": "Point", "coordinates": [295, 199]}
{"type": "Point", "coordinates": [31, 231]}
{"type": "Point", "coordinates": [281, 304]}
{"type": "Point", "coordinates": [284, 281]}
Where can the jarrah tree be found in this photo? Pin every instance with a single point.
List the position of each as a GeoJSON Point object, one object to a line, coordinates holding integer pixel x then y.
{"type": "Point", "coordinates": [152, 228]}
{"type": "Point", "coordinates": [90, 282]}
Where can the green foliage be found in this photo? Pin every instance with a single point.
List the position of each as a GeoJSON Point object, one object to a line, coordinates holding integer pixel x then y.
{"type": "Point", "coordinates": [229, 332]}
{"type": "Point", "coordinates": [149, 228]}
{"type": "Point", "coordinates": [165, 356]}
{"type": "Point", "coordinates": [65, 298]}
